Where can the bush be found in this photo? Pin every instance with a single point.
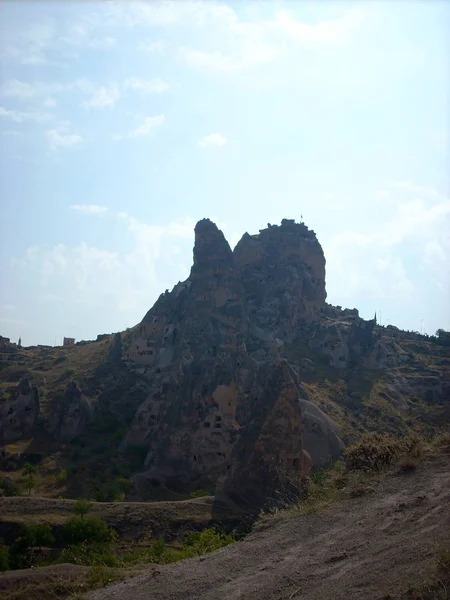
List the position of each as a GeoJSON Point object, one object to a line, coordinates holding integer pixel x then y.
{"type": "Point", "coordinates": [90, 529]}
{"type": "Point", "coordinates": [30, 483]}
{"type": "Point", "coordinates": [61, 477]}
{"type": "Point", "coordinates": [28, 468]}
{"type": "Point", "coordinates": [37, 536]}
{"type": "Point", "coordinates": [4, 559]}
{"type": "Point", "coordinates": [108, 493]}
{"type": "Point", "coordinates": [82, 507]}
{"type": "Point", "coordinates": [10, 488]}
{"type": "Point", "coordinates": [90, 555]}
{"type": "Point", "coordinates": [199, 494]}
{"type": "Point", "coordinates": [197, 544]}
{"type": "Point", "coordinates": [373, 453]}
{"type": "Point", "coordinates": [319, 478]}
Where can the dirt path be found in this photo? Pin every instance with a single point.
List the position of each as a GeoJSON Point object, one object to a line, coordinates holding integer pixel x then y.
{"type": "Point", "coordinates": [360, 549]}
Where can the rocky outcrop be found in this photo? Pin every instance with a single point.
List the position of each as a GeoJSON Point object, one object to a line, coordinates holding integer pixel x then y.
{"type": "Point", "coordinates": [115, 350]}
{"type": "Point", "coordinates": [224, 410]}
{"type": "Point", "coordinates": [282, 270]}
{"type": "Point", "coordinates": [19, 412]}
{"type": "Point", "coordinates": [72, 413]}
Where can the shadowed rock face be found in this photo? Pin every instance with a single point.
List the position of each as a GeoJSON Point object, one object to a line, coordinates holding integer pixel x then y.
{"type": "Point", "coordinates": [224, 408]}
{"type": "Point", "coordinates": [115, 350]}
{"type": "Point", "coordinates": [73, 412]}
{"type": "Point", "coordinates": [18, 414]}
{"type": "Point", "coordinates": [320, 435]}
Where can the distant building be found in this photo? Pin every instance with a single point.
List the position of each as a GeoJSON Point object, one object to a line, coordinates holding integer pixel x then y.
{"type": "Point", "coordinates": [68, 341]}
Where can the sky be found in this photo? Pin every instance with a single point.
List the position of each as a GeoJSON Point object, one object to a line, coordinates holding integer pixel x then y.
{"type": "Point", "coordinates": [124, 123]}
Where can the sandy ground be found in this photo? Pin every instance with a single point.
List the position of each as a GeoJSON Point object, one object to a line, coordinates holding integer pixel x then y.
{"type": "Point", "coordinates": [372, 547]}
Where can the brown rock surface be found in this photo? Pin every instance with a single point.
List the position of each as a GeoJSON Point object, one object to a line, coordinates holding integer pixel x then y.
{"type": "Point", "coordinates": [224, 408]}
{"type": "Point", "coordinates": [19, 412]}
{"type": "Point", "coordinates": [72, 413]}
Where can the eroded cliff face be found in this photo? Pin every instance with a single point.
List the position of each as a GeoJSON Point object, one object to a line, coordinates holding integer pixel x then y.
{"type": "Point", "coordinates": [71, 415]}
{"type": "Point", "coordinates": [19, 412]}
{"type": "Point", "coordinates": [235, 380]}
{"type": "Point", "coordinates": [224, 409]}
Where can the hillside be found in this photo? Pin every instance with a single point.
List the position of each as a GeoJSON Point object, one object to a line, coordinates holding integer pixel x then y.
{"type": "Point", "coordinates": [391, 544]}
{"type": "Point", "coordinates": [227, 385]}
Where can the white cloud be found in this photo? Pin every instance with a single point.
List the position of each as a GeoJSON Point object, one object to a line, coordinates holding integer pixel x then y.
{"type": "Point", "coordinates": [151, 46]}
{"type": "Point", "coordinates": [61, 138]}
{"type": "Point", "coordinates": [49, 102]}
{"type": "Point", "coordinates": [20, 116]}
{"type": "Point", "coordinates": [147, 126]}
{"type": "Point", "coordinates": [323, 32]}
{"type": "Point", "coordinates": [213, 139]}
{"type": "Point", "coordinates": [417, 189]}
{"type": "Point", "coordinates": [89, 209]}
{"type": "Point", "coordinates": [156, 86]}
{"type": "Point", "coordinates": [370, 263]}
{"type": "Point", "coordinates": [30, 47]}
{"type": "Point", "coordinates": [103, 43]}
{"type": "Point", "coordinates": [86, 275]}
{"type": "Point", "coordinates": [8, 321]}
{"type": "Point", "coordinates": [9, 307]}
{"type": "Point", "coordinates": [210, 60]}
{"type": "Point", "coordinates": [253, 43]}
{"type": "Point", "coordinates": [103, 97]}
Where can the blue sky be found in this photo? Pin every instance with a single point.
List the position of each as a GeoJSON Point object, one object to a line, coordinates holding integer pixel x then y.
{"type": "Point", "coordinates": [124, 123]}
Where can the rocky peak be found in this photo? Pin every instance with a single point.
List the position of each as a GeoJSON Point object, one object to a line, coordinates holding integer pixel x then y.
{"type": "Point", "coordinates": [283, 272]}
{"type": "Point", "coordinates": [211, 249]}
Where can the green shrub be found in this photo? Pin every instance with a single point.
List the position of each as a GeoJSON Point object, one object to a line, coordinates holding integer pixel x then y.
{"type": "Point", "coordinates": [158, 549]}
{"type": "Point", "coordinates": [37, 535]}
{"type": "Point", "coordinates": [28, 468]}
{"type": "Point", "coordinates": [82, 507]}
{"type": "Point", "coordinates": [4, 559]}
{"type": "Point", "coordinates": [90, 555]}
{"type": "Point", "coordinates": [61, 477]}
{"type": "Point", "coordinates": [30, 483]}
{"type": "Point", "coordinates": [90, 529]}
{"type": "Point", "coordinates": [198, 494]}
{"type": "Point", "coordinates": [319, 478]}
{"type": "Point", "coordinates": [100, 576]}
{"type": "Point", "coordinates": [10, 488]}
{"type": "Point", "coordinates": [107, 493]}
{"type": "Point", "coordinates": [197, 544]}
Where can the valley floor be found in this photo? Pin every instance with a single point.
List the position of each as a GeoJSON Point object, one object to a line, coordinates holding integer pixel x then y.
{"type": "Point", "coordinates": [372, 547]}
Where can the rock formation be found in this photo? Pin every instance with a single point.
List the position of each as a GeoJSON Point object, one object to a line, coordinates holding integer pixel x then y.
{"type": "Point", "coordinates": [71, 415]}
{"type": "Point", "coordinates": [115, 350]}
{"type": "Point", "coordinates": [19, 412]}
{"type": "Point", "coordinates": [225, 407]}
{"type": "Point", "coordinates": [238, 378]}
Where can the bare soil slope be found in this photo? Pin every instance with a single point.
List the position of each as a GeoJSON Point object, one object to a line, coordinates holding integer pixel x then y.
{"type": "Point", "coordinates": [371, 547]}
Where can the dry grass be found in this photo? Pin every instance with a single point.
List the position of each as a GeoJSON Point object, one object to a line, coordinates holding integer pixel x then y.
{"type": "Point", "coordinates": [58, 583]}
{"type": "Point", "coordinates": [437, 585]}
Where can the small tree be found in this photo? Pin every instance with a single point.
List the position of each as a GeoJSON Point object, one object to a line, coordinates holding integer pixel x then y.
{"type": "Point", "coordinates": [82, 507]}
{"type": "Point", "coordinates": [30, 483]}
{"type": "Point", "coordinates": [38, 535]}
{"type": "Point", "coordinates": [28, 468]}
